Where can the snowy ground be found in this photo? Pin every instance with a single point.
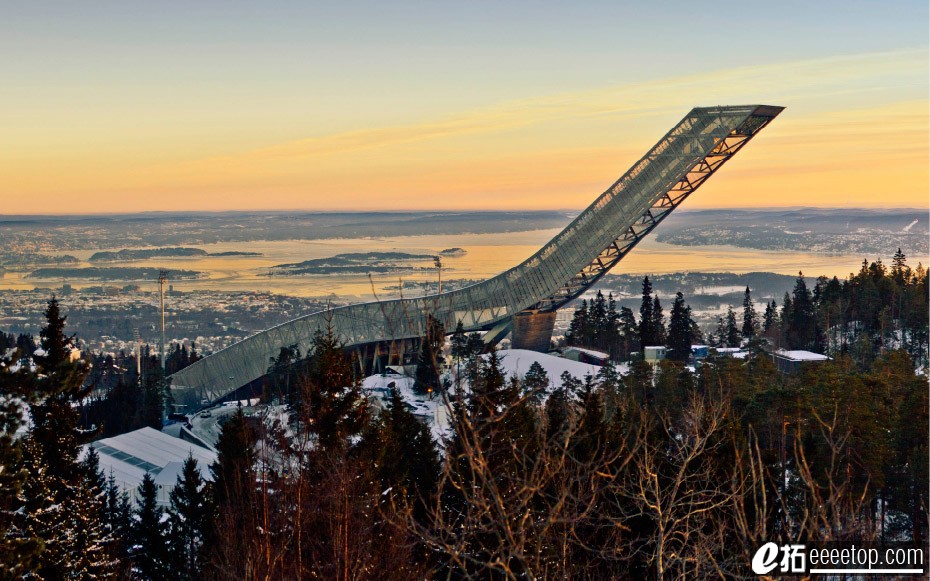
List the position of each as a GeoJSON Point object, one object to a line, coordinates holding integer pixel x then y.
{"type": "Point", "coordinates": [513, 361]}
{"type": "Point", "coordinates": [517, 362]}
{"type": "Point", "coordinates": [208, 428]}
{"type": "Point", "coordinates": [433, 411]}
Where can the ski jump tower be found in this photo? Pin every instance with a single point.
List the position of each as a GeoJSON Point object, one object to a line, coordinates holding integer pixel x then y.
{"type": "Point", "coordinates": [523, 300]}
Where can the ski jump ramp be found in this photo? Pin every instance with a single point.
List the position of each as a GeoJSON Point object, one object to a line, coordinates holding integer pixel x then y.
{"type": "Point", "coordinates": [524, 299]}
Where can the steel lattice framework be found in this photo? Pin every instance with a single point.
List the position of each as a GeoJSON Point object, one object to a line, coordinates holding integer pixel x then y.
{"type": "Point", "coordinates": [576, 258]}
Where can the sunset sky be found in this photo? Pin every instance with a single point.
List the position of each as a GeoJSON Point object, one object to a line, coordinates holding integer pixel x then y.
{"type": "Point", "coordinates": [129, 106]}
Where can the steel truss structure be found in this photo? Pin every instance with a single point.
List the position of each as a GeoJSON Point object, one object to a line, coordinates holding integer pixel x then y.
{"type": "Point", "coordinates": [576, 258]}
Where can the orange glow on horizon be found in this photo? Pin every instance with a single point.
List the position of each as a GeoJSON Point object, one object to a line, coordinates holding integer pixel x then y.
{"type": "Point", "coordinates": [553, 152]}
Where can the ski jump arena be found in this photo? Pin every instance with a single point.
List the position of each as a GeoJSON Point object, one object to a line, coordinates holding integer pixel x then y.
{"type": "Point", "coordinates": [521, 301]}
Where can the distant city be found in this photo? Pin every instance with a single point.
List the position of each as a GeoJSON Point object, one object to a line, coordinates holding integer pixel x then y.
{"type": "Point", "coordinates": [111, 307]}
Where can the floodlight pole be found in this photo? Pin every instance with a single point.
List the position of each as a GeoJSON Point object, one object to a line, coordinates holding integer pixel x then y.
{"type": "Point", "coordinates": [162, 278]}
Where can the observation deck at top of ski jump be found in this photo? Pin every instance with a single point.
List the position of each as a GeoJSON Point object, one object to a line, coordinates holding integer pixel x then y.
{"type": "Point", "coordinates": [524, 299]}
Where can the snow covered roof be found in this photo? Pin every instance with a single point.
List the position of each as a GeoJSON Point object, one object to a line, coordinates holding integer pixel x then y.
{"type": "Point", "coordinates": [800, 355]}
{"type": "Point", "coordinates": [591, 352]}
{"type": "Point", "coordinates": [518, 361]}
{"type": "Point", "coordinates": [168, 476]}
{"type": "Point", "coordinates": [129, 456]}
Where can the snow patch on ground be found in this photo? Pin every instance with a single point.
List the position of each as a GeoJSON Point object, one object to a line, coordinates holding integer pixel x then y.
{"type": "Point", "coordinates": [435, 411]}
{"type": "Point", "coordinates": [518, 361]}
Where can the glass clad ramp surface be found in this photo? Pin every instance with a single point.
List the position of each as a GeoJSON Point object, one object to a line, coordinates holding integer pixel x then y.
{"type": "Point", "coordinates": [570, 263]}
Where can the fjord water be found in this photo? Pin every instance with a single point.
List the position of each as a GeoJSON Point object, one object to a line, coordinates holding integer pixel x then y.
{"type": "Point", "coordinates": [487, 255]}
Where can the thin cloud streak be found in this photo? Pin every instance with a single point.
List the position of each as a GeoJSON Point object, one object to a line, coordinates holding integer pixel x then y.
{"type": "Point", "coordinates": [781, 81]}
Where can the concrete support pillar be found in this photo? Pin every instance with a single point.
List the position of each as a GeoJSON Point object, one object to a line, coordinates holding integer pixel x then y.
{"type": "Point", "coordinates": [533, 330]}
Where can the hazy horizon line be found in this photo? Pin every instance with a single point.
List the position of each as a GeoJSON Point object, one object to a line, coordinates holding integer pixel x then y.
{"type": "Point", "coordinates": [447, 211]}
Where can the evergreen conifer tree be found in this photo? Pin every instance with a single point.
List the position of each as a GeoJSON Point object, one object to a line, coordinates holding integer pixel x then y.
{"type": "Point", "coordinates": [659, 333]}
{"type": "Point", "coordinates": [459, 343]}
{"type": "Point", "coordinates": [597, 321]}
{"type": "Point", "coordinates": [732, 338]}
{"type": "Point", "coordinates": [558, 411]}
{"type": "Point", "coordinates": [403, 454]}
{"type": "Point", "coordinates": [475, 344]}
{"type": "Point", "coordinates": [187, 521]}
{"type": "Point", "coordinates": [802, 324]}
{"type": "Point", "coordinates": [150, 551]}
{"type": "Point", "coordinates": [611, 341]}
{"type": "Point", "coordinates": [770, 317]}
{"type": "Point", "coordinates": [19, 549]}
{"type": "Point", "coordinates": [750, 322]}
{"type": "Point", "coordinates": [679, 333]}
{"type": "Point", "coordinates": [233, 500]}
{"type": "Point", "coordinates": [629, 333]}
{"type": "Point", "coordinates": [647, 324]}
{"type": "Point", "coordinates": [333, 405]}
{"type": "Point", "coordinates": [63, 502]}
{"type": "Point", "coordinates": [118, 520]}
{"type": "Point", "coordinates": [428, 358]}
{"type": "Point", "coordinates": [578, 328]}
{"type": "Point", "coordinates": [535, 382]}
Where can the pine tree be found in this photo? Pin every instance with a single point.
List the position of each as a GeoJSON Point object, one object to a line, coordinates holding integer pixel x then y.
{"type": "Point", "coordinates": [233, 498]}
{"type": "Point", "coordinates": [234, 470]}
{"type": "Point", "coordinates": [900, 271]}
{"type": "Point", "coordinates": [488, 394]}
{"type": "Point", "coordinates": [646, 320]}
{"type": "Point", "coordinates": [802, 325]}
{"type": "Point", "coordinates": [770, 317]}
{"type": "Point", "coordinates": [19, 549]}
{"type": "Point", "coordinates": [403, 454]}
{"type": "Point", "coordinates": [56, 345]}
{"type": "Point", "coordinates": [459, 343]}
{"type": "Point", "coordinates": [659, 333]}
{"type": "Point", "coordinates": [719, 337]}
{"type": "Point", "coordinates": [474, 344]}
{"type": "Point", "coordinates": [428, 359]}
{"type": "Point", "coordinates": [611, 341]}
{"type": "Point", "coordinates": [578, 328]}
{"type": "Point", "coordinates": [750, 322]}
{"type": "Point", "coordinates": [536, 382]}
{"type": "Point", "coordinates": [334, 408]}
{"type": "Point", "coordinates": [118, 521]}
{"type": "Point", "coordinates": [697, 335]}
{"type": "Point", "coordinates": [558, 416]}
{"type": "Point", "coordinates": [679, 335]}
{"type": "Point", "coordinates": [597, 321]}
{"type": "Point", "coordinates": [150, 551]}
{"type": "Point", "coordinates": [732, 338]}
{"type": "Point", "coordinates": [63, 502]}
{"type": "Point", "coordinates": [153, 396]}
{"type": "Point", "coordinates": [187, 521]}
{"type": "Point", "coordinates": [282, 377]}
{"type": "Point", "coordinates": [629, 333]}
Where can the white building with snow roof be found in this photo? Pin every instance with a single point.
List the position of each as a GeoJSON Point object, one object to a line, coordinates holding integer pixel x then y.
{"type": "Point", "coordinates": [791, 361]}
{"type": "Point", "coordinates": [128, 457]}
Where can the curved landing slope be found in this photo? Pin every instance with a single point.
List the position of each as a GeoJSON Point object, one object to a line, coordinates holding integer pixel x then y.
{"type": "Point", "coordinates": [558, 272]}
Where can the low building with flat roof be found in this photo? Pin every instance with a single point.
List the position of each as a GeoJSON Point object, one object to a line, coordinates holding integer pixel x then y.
{"type": "Point", "coordinates": [790, 361]}
{"type": "Point", "coordinates": [128, 457]}
{"type": "Point", "coordinates": [586, 355]}
{"type": "Point", "coordinates": [654, 353]}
